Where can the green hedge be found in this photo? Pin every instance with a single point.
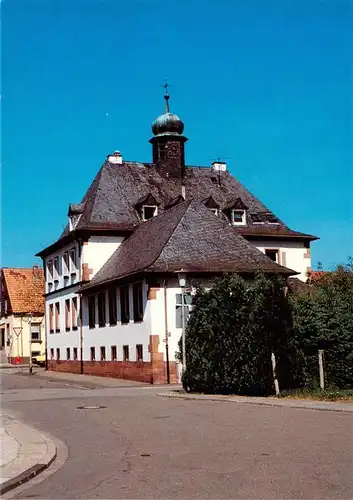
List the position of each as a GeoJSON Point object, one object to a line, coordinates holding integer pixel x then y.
{"type": "Point", "coordinates": [231, 333]}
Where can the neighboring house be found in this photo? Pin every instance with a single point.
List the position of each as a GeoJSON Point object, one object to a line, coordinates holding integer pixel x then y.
{"type": "Point", "coordinates": [113, 296]}
{"type": "Point", "coordinates": [22, 313]}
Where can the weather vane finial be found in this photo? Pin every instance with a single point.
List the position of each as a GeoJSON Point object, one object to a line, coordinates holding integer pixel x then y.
{"type": "Point", "coordinates": [166, 96]}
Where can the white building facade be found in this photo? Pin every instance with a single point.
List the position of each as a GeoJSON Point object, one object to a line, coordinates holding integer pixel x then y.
{"type": "Point", "coordinates": [112, 296]}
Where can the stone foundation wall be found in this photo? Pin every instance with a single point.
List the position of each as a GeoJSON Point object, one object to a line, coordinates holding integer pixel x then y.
{"type": "Point", "coordinates": [150, 373]}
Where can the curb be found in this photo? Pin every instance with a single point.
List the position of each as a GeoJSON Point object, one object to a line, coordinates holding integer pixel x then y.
{"type": "Point", "coordinates": [298, 404]}
{"type": "Point", "coordinates": [36, 469]}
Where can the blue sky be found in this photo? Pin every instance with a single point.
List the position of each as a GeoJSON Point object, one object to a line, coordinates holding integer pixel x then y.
{"type": "Point", "coordinates": [266, 84]}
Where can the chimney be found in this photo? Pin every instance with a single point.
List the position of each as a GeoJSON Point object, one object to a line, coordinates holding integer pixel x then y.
{"type": "Point", "coordinates": [115, 158]}
{"type": "Point", "coordinates": [219, 166]}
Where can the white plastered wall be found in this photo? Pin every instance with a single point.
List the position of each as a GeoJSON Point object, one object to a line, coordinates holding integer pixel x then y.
{"type": "Point", "coordinates": [293, 255]}
{"type": "Point", "coordinates": [63, 339]}
{"type": "Point", "coordinates": [130, 334]}
{"type": "Point", "coordinates": [98, 250]}
{"type": "Point", "coordinates": [17, 331]}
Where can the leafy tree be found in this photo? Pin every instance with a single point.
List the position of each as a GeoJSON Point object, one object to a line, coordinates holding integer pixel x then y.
{"type": "Point", "coordinates": [323, 317]}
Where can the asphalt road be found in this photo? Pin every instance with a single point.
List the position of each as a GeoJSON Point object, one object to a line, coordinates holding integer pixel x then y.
{"type": "Point", "coordinates": [145, 446]}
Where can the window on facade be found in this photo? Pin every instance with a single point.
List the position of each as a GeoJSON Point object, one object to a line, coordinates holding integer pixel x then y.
{"type": "Point", "coordinates": [112, 306]}
{"type": "Point", "coordinates": [58, 353]}
{"type": "Point", "coordinates": [238, 217]}
{"type": "Point", "coordinates": [148, 211]}
{"type": "Point", "coordinates": [51, 353]}
{"type": "Point", "coordinates": [74, 313]}
{"type": "Point", "coordinates": [68, 354]}
{"type": "Point", "coordinates": [139, 352]}
{"type": "Point", "coordinates": [113, 353]}
{"type": "Point", "coordinates": [272, 254]}
{"type": "Point", "coordinates": [102, 353]}
{"type": "Point", "coordinates": [75, 353]}
{"type": "Point", "coordinates": [179, 309]}
{"type": "Point", "coordinates": [66, 260]}
{"type": "Point", "coordinates": [56, 268]}
{"type": "Point", "coordinates": [57, 317]}
{"type": "Point", "coordinates": [125, 352]}
{"type": "Point", "coordinates": [50, 270]}
{"type": "Point", "coordinates": [67, 315]}
{"type": "Point", "coordinates": [101, 309]}
{"type": "Point", "coordinates": [73, 258]}
{"type": "Point", "coordinates": [92, 311]}
{"type": "Point", "coordinates": [51, 318]}
{"type": "Point", "coordinates": [93, 353]}
{"type": "Point", "coordinates": [162, 154]}
{"type": "Point", "coordinates": [35, 332]}
{"type": "Point", "coordinates": [137, 302]}
{"type": "Point", "coordinates": [124, 304]}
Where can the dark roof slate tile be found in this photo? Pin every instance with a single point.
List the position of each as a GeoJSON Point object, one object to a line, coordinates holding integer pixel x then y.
{"type": "Point", "coordinates": [189, 237]}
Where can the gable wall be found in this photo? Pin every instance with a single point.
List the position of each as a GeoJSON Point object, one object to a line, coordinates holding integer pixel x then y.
{"type": "Point", "coordinates": [97, 250]}
{"type": "Point", "coordinates": [293, 255]}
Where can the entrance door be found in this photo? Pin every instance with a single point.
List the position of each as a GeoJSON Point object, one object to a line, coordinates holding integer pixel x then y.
{"type": "Point", "coordinates": [2, 338]}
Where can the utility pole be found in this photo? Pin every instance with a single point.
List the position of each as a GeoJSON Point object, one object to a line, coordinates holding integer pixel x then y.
{"type": "Point", "coordinates": [30, 341]}
{"type": "Point", "coordinates": [182, 283]}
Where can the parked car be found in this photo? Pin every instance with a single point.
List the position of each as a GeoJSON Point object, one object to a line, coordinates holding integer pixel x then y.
{"type": "Point", "coordinates": [39, 360]}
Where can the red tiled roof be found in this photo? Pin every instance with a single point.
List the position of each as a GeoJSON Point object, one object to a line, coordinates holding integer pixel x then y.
{"type": "Point", "coordinates": [25, 289]}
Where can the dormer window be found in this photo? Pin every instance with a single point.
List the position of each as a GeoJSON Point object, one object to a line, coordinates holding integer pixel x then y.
{"type": "Point", "coordinates": [212, 205]}
{"type": "Point", "coordinates": [147, 207]}
{"type": "Point", "coordinates": [149, 211]}
{"type": "Point", "coordinates": [236, 212]}
{"type": "Point", "coordinates": [75, 212]}
{"type": "Point", "coordinates": [238, 217]}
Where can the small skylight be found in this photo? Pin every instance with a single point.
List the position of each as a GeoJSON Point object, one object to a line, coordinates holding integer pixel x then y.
{"type": "Point", "coordinates": [149, 211]}
{"type": "Point", "coordinates": [272, 218]}
{"type": "Point", "coordinates": [256, 218]}
{"type": "Point", "coordinates": [214, 210]}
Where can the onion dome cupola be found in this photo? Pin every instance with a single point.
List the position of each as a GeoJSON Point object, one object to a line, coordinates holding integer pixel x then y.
{"type": "Point", "coordinates": [168, 142]}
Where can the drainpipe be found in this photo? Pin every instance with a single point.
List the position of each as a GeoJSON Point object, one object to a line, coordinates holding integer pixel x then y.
{"type": "Point", "coordinates": [166, 331]}
{"type": "Point", "coordinates": [81, 335]}
{"type": "Point", "coordinates": [80, 245]}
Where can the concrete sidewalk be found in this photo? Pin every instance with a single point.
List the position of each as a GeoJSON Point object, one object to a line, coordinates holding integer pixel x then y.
{"type": "Point", "coordinates": [268, 401]}
{"type": "Point", "coordinates": [25, 452]}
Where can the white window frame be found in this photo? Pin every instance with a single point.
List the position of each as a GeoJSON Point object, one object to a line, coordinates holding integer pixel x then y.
{"type": "Point", "coordinates": [243, 218]}
{"type": "Point", "coordinates": [56, 269]}
{"type": "Point", "coordinates": [66, 264]}
{"type": "Point", "coordinates": [37, 329]}
{"type": "Point", "coordinates": [73, 263]}
{"type": "Point", "coordinates": [50, 270]}
{"type": "Point", "coordinates": [149, 206]}
{"type": "Point", "coordinates": [276, 250]}
{"type": "Point", "coordinates": [187, 305]}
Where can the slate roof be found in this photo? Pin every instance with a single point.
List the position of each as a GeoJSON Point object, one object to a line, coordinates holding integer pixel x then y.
{"type": "Point", "coordinates": [189, 237]}
{"type": "Point", "coordinates": [24, 288]}
{"type": "Point", "coordinates": [111, 200]}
